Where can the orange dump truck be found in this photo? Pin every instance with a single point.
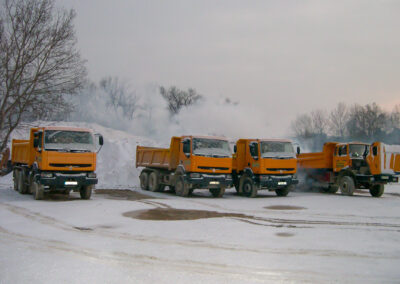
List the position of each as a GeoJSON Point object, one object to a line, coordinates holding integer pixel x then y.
{"type": "Point", "coordinates": [191, 162]}
{"type": "Point", "coordinates": [264, 164]}
{"type": "Point", "coordinates": [351, 165]}
{"type": "Point", "coordinates": [55, 159]}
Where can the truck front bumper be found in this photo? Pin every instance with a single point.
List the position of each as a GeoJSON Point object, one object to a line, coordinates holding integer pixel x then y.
{"type": "Point", "coordinates": [66, 180]}
{"type": "Point", "coordinates": [199, 180]}
{"type": "Point", "coordinates": [274, 181]}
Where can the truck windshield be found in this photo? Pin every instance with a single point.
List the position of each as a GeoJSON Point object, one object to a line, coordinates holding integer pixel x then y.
{"type": "Point", "coordinates": [211, 148]}
{"type": "Point", "coordinates": [357, 150]}
{"type": "Point", "coordinates": [272, 149]}
{"type": "Point", "coordinates": [70, 141]}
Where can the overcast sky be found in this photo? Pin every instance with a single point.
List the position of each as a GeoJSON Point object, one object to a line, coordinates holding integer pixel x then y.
{"type": "Point", "coordinates": [279, 57]}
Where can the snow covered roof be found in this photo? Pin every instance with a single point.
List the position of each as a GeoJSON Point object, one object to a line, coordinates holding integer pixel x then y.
{"type": "Point", "coordinates": [67, 128]}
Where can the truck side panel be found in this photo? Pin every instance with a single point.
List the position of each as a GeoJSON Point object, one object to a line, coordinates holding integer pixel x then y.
{"type": "Point", "coordinates": [20, 152]}
{"type": "Point", "coordinates": [152, 157]}
{"type": "Point", "coordinates": [320, 160]}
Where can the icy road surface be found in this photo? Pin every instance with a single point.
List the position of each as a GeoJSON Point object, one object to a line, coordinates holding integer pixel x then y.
{"type": "Point", "coordinates": [129, 237]}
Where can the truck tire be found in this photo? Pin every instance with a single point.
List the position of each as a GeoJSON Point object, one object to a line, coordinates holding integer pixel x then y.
{"type": "Point", "coordinates": [144, 180]}
{"type": "Point", "coordinates": [21, 182]}
{"type": "Point", "coordinates": [181, 188]}
{"type": "Point", "coordinates": [237, 187]}
{"type": "Point", "coordinates": [347, 185]}
{"type": "Point", "coordinates": [217, 192]}
{"type": "Point", "coordinates": [154, 183]}
{"type": "Point", "coordinates": [284, 191]}
{"type": "Point", "coordinates": [15, 179]}
{"type": "Point", "coordinates": [332, 189]}
{"type": "Point", "coordinates": [38, 191]}
{"type": "Point", "coordinates": [376, 190]}
{"type": "Point", "coordinates": [248, 187]}
{"type": "Point", "coordinates": [86, 191]}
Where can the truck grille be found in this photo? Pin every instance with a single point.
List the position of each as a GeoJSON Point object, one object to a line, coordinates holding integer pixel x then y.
{"type": "Point", "coordinates": [216, 168]}
{"type": "Point", "coordinates": [69, 165]}
{"type": "Point", "coordinates": [278, 170]}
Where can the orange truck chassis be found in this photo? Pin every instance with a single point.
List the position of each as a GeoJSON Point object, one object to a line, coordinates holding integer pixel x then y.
{"type": "Point", "coordinates": [351, 166]}
{"type": "Point", "coordinates": [191, 162]}
{"type": "Point", "coordinates": [55, 159]}
{"type": "Point", "coordinates": [264, 164]}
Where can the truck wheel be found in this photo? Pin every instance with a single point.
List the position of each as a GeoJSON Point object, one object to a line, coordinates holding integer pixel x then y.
{"type": "Point", "coordinates": [284, 191]}
{"type": "Point", "coordinates": [38, 191]}
{"type": "Point", "coordinates": [144, 180]}
{"type": "Point", "coordinates": [15, 179]}
{"type": "Point", "coordinates": [86, 191]}
{"type": "Point", "coordinates": [347, 185]}
{"type": "Point", "coordinates": [21, 182]}
{"type": "Point", "coordinates": [217, 192]}
{"type": "Point", "coordinates": [237, 187]}
{"type": "Point", "coordinates": [181, 189]}
{"type": "Point", "coordinates": [249, 188]}
{"type": "Point", "coordinates": [376, 190]}
{"type": "Point", "coordinates": [154, 184]}
{"type": "Point", "coordinates": [332, 188]}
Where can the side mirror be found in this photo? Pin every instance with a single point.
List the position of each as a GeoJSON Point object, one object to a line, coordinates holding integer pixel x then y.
{"type": "Point", "coordinates": [234, 149]}
{"type": "Point", "coordinates": [298, 150]}
{"type": "Point", "coordinates": [101, 141]}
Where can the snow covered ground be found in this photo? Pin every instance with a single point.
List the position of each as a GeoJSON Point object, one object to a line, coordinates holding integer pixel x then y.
{"type": "Point", "coordinates": [134, 236]}
{"type": "Point", "coordinates": [305, 237]}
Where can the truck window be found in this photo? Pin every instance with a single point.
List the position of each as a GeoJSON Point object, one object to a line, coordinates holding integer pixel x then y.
{"type": "Point", "coordinates": [211, 148]}
{"type": "Point", "coordinates": [63, 140]}
{"type": "Point", "coordinates": [186, 146]}
{"type": "Point", "coordinates": [343, 150]}
{"type": "Point", "coordinates": [253, 149]}
{"type": "Point", "coordinates": [357, 150]}
{"type": "Point", "coordinates": [273, 149]}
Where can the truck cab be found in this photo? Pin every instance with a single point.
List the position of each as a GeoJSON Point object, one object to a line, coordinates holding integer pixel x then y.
{"type": "Point", "coordinates": [264, 164]}
{"type": "Point", "coordinates": [191, 162]}
{"type": "Point", "coordinates": [56, 159]}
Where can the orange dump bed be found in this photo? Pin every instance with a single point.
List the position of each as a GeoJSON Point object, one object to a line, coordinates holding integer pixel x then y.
{"type": "Point", "coordinates": [20, 152]}
{"type": "Point", "coordinates": [161, 158]}
{"type": "Point", "coordinates": [153, 157]}
{"type": "Point", "coordinates": [320, 160]}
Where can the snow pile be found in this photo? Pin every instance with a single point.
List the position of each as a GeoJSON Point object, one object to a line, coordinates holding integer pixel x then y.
{"type": "Point", "coordinates": [116, 159]}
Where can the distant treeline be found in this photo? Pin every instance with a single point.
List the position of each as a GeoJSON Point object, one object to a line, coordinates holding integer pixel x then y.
{"type": "Point", "coordinates": [366, 123]}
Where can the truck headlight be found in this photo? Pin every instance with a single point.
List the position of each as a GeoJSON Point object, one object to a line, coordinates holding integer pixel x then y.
{"type": "Point", "coordinates": [46, 175]}
{"type": "Point", "coordinates": [92, 175]}
{"type": "Point", "coordinates": [195, 175]}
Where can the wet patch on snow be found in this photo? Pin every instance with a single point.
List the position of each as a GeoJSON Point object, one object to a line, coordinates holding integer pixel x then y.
{"type": "Point", "coordinates": [284, 234]}
{"type": "Point", "coordinates": [285, 207]}
{"type": "Point", "coordinates": [124, 194]}
{"type": "Point", "coordinates": [171, 214]}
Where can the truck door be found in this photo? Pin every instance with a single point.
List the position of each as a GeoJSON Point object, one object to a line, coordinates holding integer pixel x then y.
{"type": "Point", "coordinates": [374, 158]}
{"type": "Point", "coordinates": [254, 154]}
{"type": "Point", "coordinates": [186, 153]}
{"type": "Point", "coordinates": [341, 158]}
{"type": "Point", "coordinates": [38, 147]}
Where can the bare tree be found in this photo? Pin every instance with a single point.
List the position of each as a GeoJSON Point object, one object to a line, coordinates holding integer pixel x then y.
{"type": "Point", "coordinates": [302, 126]}
{"type": "Point", "coordinates": [395, 117]}
{"type": "Point", "coordinates": [39, 61]}
{"type": "Point", "coordinates": [366, 122]}
{"type": "Point", "coordinates": [119, 96]}
{"type": "Point", "coordinates": [319, 122]}
{"type": "Point", "coordinates": [338, 119]}
{"type": "Point", "coordinates": [177, 98]}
